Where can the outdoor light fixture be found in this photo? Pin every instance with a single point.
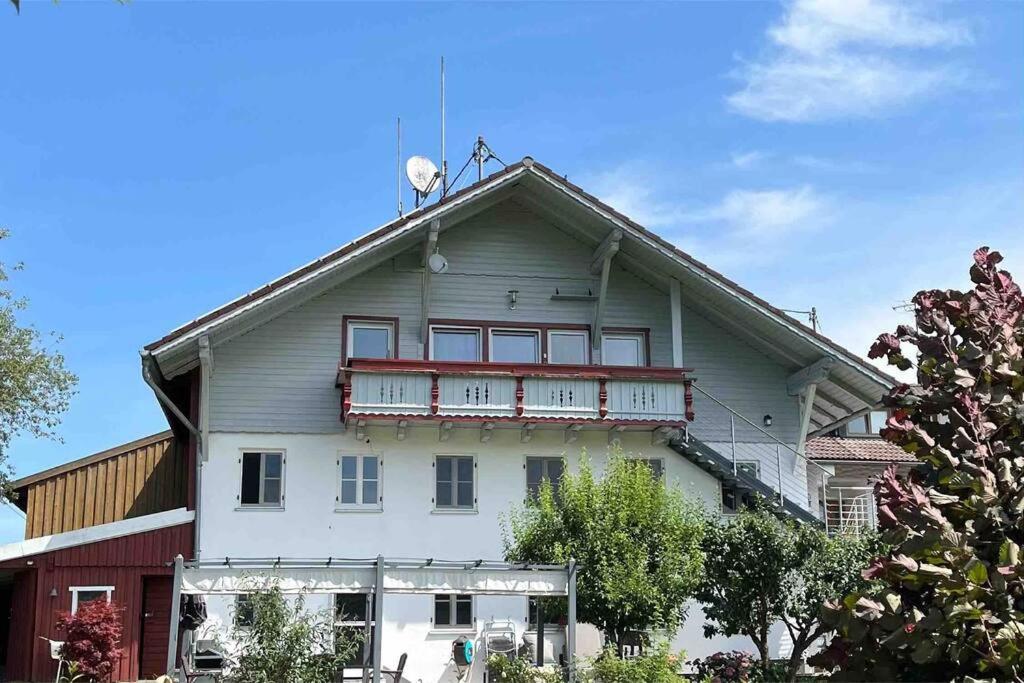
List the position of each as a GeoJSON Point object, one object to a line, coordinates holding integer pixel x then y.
{"type": "Point", "coordinates": [512, 295]}
{"type": "Point", "coordinates": [53, 592]}
{"type": "Point", "coordinates": [767, 419]}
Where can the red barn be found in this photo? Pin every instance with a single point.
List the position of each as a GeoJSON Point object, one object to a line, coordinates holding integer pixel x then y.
{"type": "Point", "coordinates": [106, 526]}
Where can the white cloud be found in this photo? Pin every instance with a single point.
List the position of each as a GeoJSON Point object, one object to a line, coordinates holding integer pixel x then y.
{"type": "Point", "coordinates": [832, 165]}
{"type": "Point", "coordinates": [746, 159]}
{"type": "Point", "coordinates": [767, 214]}
{"type": "Point", "coordinates": [833, 59]}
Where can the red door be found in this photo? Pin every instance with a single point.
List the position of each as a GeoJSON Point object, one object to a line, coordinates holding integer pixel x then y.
{"type": "Point", "coordinates": [156, 623]}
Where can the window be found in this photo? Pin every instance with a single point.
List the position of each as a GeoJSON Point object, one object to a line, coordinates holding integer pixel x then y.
{"type": "Point", "coordinates": [624, 348]}
{"type": "Point", "coordinates": [657, 466]}
{"type": "Point", "coordinates": [455, 343]}
{"type": "Point", "coordinates": [351, 620]}
{"type": "Point", "coordinates": [370, 339]}
{"type": "Point", "coordinates": [453, 611]}
{"type": "Point", "coordinates": [515, 346]}
{"type": "Point", "coordinates": [83, 594]}
{"type": "Point", "coordinates": [359, 482]}
{"type": "Point", "coordinates": [540, 469]}
{"type": "Point", "coordinates": [244, 613]}
{"type": "Point", "coordinates": [454, 476]}
{"type": "Point", "coordinates": [554, 610]}
{"type": "Point", "coordinates": [568, 347]}
{"type": "Point", "coordinates": [867, 425]}
{"type": "Point", "coordinates": [262, 479]}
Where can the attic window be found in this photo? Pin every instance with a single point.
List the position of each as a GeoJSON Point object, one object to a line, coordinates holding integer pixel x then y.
{"type": "Point", "coordinates": [367, 339]}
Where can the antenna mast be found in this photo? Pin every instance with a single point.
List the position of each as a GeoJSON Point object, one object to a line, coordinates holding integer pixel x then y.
{"type": "Point", "coordinates": [444, 161]}
{"type": "Point", "coordinates": [399, 167]}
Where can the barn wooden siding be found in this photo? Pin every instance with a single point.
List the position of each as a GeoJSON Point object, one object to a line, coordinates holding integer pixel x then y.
{"type": "Point", "coordinates": [120, 562]}
{"type": "Point", "coordinates": [139, 478]}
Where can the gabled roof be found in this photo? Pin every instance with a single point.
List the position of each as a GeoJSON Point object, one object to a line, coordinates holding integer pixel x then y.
{"type": "Point", "coordinates": [90, 459]}
{"type": "Point", "coordinates": [854, 385]}
{"type": "Point", "coordinates": [856, 449]}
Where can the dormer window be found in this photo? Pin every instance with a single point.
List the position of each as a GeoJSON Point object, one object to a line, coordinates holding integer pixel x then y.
{"type": "Point", "coordinates": [868, 424]}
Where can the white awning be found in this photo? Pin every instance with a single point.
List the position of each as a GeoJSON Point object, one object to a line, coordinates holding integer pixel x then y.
{"type": "Point", "coordinates": [427, 580]}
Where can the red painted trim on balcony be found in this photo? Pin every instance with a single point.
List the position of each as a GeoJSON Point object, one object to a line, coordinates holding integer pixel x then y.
{"type": "Point", "coordinates": [346, 319]}
{"type": "Point", "coordinates": [419, 417]}
{"type": "Point", "coordinates": [509, 369]}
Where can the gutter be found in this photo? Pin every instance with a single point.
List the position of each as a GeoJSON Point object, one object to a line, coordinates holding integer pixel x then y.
{"type": "Point", "coordinates": [147, 375]}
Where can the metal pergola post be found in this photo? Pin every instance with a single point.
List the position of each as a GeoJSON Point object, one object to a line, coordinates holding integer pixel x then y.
{"type": "Point", "coordinates": [378, 618]}
{"type": "Point", "coordinates": [368, 636]}
{"type": "Point", "coordinates": [172, 638]}
{"type": "Point", "coordinates": [570, 626]}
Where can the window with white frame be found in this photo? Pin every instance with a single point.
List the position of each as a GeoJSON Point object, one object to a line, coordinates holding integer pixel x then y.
{"type": "Point", "coordinates": [83, 594]}
{"type": "Point", "coordinates": [244, 612]}
{"type": "Point", "coordinates": [455, 343]}
{"type": "Point", "coordinates": [455, 482]}
{"type": "Point", "coordinates": [262, 479]}
{"type": "Point", "coordinates": [514, 346]}
{"type": "Point", "coordinates": [353, 612]}
{"type": "Point", "coordinates": [370, 339]}
{"type": "Point", "coordinates": [453, 611]}
{"type": "Point", "coordinates": [539, 470]}
{"type": "Point", "coordinates": [868, 424]}
{"type": "Point", "coordinates": [568, 347]}
{"type": "Point", "coordinates": [624, 348]}
{"type": "Point", "coordinates": [359, 482]}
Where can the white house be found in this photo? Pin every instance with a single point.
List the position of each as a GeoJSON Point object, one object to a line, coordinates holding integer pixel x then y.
{"type": "Point", "coordinates": [367, 404]}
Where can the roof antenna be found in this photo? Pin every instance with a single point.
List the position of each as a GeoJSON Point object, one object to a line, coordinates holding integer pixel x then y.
{"type": "Point", "coordinates": [399, 183]}
{"type": "Point", "coordinates": [444, 160]}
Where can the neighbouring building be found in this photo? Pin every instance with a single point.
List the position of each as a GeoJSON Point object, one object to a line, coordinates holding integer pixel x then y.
{"type": "Point", "coordinates": [102, 527]}
{"type": "Point", "coordinates": [398, 395]}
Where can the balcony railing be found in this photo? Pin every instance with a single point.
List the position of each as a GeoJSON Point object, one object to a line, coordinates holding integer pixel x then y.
{"type": "Point", "coordinates": [850, 509]}
{"type": "Point", "coordinates": [510, 391]}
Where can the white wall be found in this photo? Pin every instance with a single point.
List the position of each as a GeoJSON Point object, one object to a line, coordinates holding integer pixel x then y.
{"type": "Point", "coordinates": [308, 525]}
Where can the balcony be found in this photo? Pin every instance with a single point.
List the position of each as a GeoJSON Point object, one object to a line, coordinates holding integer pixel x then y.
{"type": "Point", "coordinates": [528, 395]}
{"type": "Point", "coordinates": [850, 510]}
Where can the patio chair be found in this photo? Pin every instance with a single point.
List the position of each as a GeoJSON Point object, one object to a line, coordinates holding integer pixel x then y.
{"type": "Point", "coordinates": [396, 674]}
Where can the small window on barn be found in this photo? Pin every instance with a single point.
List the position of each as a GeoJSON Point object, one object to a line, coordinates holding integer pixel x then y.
{"type": "Point", "coordinates": [83, 594]}
{"type": "Point", "coordinates": [262, 480]}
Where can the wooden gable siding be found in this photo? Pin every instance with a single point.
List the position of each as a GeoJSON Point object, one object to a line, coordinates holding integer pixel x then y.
{"type": "Point", "coordinates": [278, 377]}
{"type": "Point", "coordinates": [147, 477]}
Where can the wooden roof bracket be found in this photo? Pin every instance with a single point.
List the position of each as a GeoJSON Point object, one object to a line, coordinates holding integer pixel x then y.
{"type": "Point", "coordinates": [804, 384]}
{"type": "Point", "coordinates": [602, 263]}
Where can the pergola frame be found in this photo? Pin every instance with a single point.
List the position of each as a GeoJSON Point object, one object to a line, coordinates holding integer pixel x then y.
{"type": "Point", "coordinates": [375, 577]}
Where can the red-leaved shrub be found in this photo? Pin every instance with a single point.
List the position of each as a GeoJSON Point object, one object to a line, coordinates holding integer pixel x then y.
{"type": "Point", "coordinates": [92, 638]}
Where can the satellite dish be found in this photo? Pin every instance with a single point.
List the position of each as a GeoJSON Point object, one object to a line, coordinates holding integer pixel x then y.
{"type": "Point", "coordinates": [422, 174]}
{"type": "Point", "coordinates": [437, 263]}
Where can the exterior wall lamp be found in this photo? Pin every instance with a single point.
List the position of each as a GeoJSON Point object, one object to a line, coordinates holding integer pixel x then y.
{"type": "Point", "coordinates": [767, 419]}
{"type": "Point", "coordinates": [513, 294]}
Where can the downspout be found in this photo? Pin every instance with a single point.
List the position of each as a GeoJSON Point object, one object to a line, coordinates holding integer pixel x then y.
{"type": "Point", "coordinates": [165, 400]}
{"type": "Point", "coordinates": [205, 377]}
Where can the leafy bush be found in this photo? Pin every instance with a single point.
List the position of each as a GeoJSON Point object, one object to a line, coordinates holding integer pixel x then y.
{"type": "Point", "coordinates": [761, 570]}
{"type": "Point", "coordinates": [92, 639]}
{"type": "Point", "coordinates": [519, 670]}
{"type": "Point", "coordinates": [949, 598]}
{"type": "Point", "coordinates": [283, 642]}
{"type": "Point", "coordinates": [727, 667]}
{"type": "Point", "coordinates": [656, 666]}
{"type": "Point", "coordinates": [636, 539]}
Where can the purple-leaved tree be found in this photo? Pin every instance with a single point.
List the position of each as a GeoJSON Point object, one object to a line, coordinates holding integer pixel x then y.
{"type": "Point", "coordinates": [947, 600]}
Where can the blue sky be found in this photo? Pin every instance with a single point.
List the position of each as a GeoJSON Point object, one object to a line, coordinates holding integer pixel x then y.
{"type": "Point", "coordinates": [159, 159]}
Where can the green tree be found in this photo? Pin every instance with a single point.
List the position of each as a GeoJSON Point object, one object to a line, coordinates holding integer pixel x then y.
{"type": "Point", "coordinates": [761, 570]}
{"type": "Point", "coordinates": [949, 603]}
{"type": "Point", "coordinates": [35, 387]}
{"type": "Point", "coordinates": [280, 641]}
{"type": "Point", "coordinates": [636, 540]}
